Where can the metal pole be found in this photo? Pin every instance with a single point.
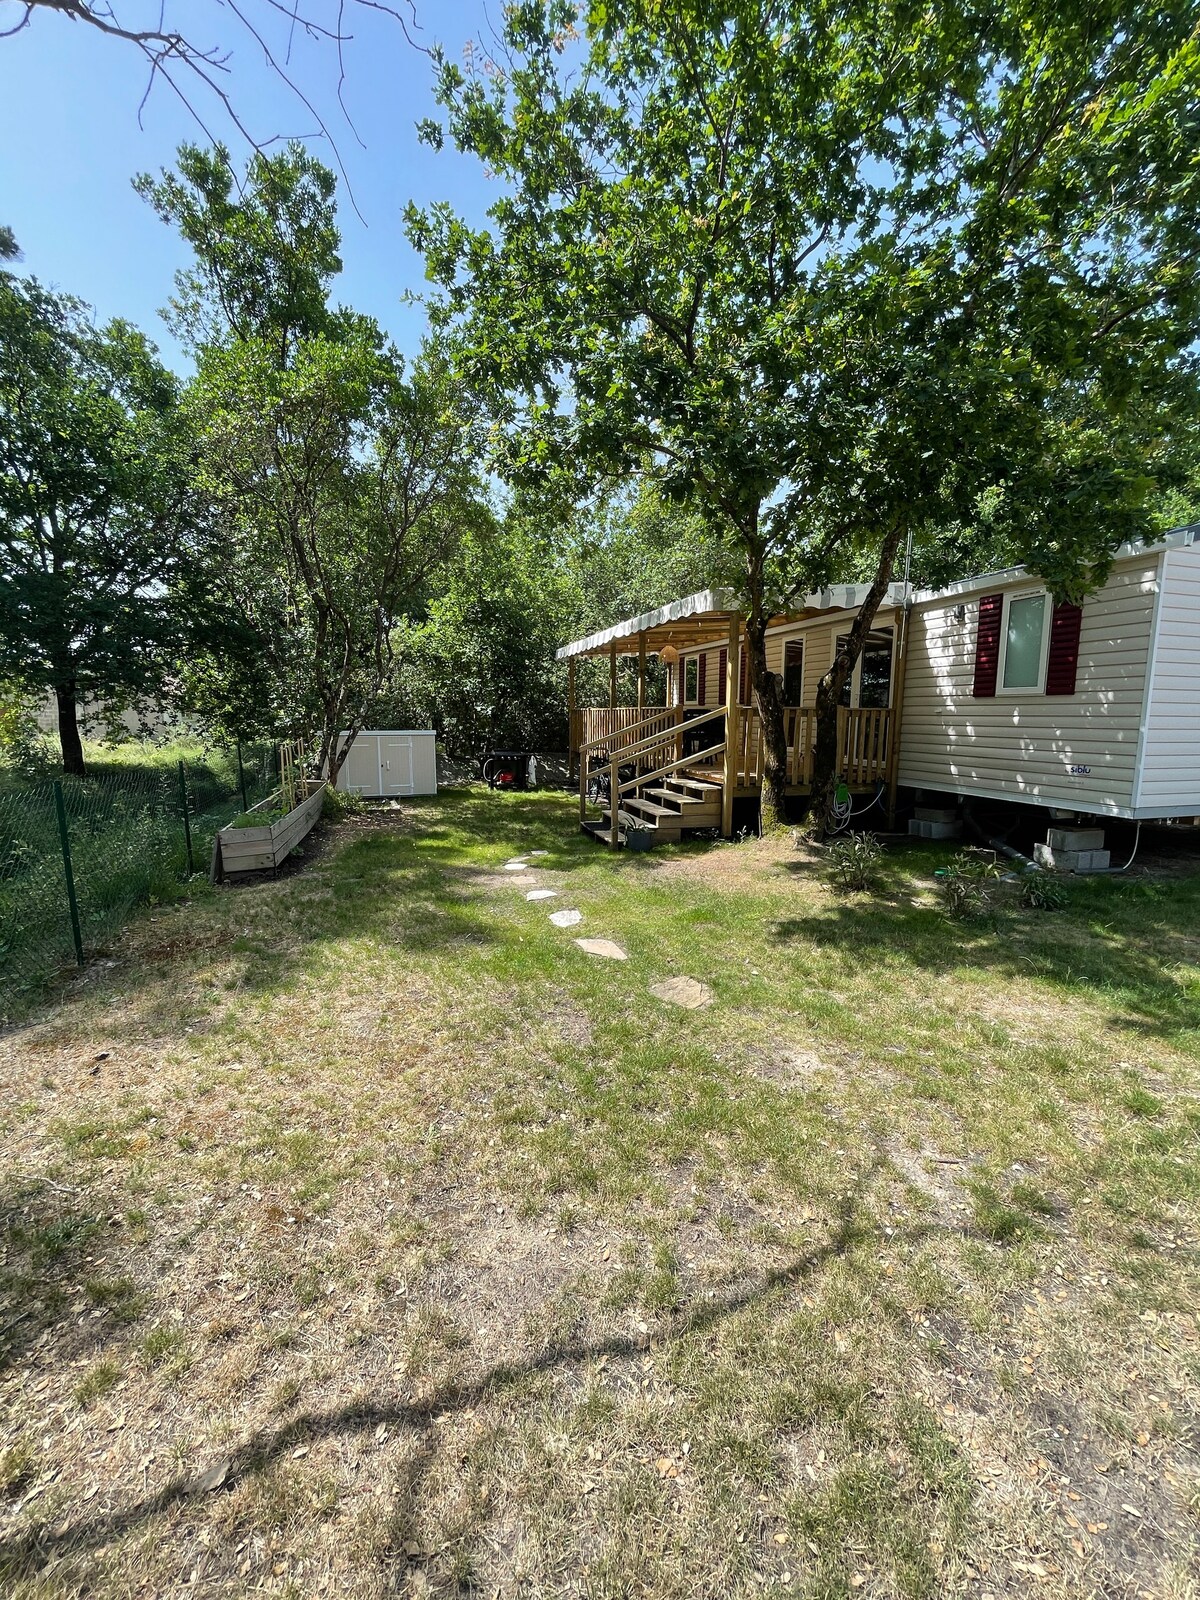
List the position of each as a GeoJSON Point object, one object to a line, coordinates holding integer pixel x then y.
{"type": "Point", "coordinates": [187, 826]}
{"type": "Point", "coordinates": [64, 840]}
{"type": "Point", "coordinates": [242, 777]}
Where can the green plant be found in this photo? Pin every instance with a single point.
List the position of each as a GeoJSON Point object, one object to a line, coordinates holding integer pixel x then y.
{"type": "Point", "coordinates": [337, 804]}
{"type": "Point", "coordinates": [100, 1379]}
{"type": "Point", "coordinates": [966, 882]}
{"type": "Point", "coordinates": [1040, 892]}
{"type": "Point", "coordinates": [259, 819]}
{"type": "Point", "coordinates": [18, 1464]}
{"type": "Point", "coordinates": [853, 860]}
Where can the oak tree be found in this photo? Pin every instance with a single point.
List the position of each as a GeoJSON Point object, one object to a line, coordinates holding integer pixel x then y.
{"type": "Point", "coordinates": [833, 272]}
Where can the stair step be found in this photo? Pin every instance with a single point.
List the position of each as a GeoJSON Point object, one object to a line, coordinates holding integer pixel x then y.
{"type": "Point", "coordinates": [696, 788]}
{"type": "Point", "coordinates": [665, 829]}
{"type": "Point", "coordinates": [650, 809]}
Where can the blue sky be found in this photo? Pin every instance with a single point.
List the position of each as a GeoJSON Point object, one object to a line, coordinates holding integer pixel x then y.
{"type": "Point", "coordinates": [70, 144]}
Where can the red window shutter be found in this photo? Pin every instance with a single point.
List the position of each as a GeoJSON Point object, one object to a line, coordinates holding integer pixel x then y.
{"type": "Point", "coordinates": [1062, 664]}
{"type": "Point", "coordinates": [743, 674]}
{"type": "Point", "coordinates": [987, 646]}
{"type": "Point", "coordinates": [702, 678]}
{"type": "Point", "coordinates": [722, 670]}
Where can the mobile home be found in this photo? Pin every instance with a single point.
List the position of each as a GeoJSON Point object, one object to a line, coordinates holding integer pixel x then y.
{"type": "Point", "coordinates": [985, 688]}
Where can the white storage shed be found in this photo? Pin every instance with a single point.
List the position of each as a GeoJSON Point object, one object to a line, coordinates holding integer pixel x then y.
{"type": "Point", "coordinates": [389, 761]}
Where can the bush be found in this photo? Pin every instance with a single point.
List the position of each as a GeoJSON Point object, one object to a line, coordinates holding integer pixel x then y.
{"type": "Point", "coordinates": [852, 861]}
{"type": "Point", "coordinates": [966, 884]}
{"type": "Point", "coordinates": [338, 804]}
{"type": "Point", "coordinates": [1041, 892]}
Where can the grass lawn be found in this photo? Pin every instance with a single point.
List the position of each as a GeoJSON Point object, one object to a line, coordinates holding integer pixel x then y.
{"type": "Point", "coordinates": [363, 1236]}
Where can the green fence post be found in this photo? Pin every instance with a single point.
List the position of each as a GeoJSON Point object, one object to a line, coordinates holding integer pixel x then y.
{"type": "Point", "coordinates": [65, 840]}
{"type": "Point", "coordinates": [187, 826]}
{"type": "Point", "coordinates": [242, 777]}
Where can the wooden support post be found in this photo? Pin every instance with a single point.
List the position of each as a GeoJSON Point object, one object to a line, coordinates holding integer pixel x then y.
{"type": "Point", "coordinates": [731, 727]}
{"type": "Point", "coordinates": [641, 675]}
{"type": "Point", "coordinates": [572, 731]}
{"type": "Point", "coordinates": [614, 803]}
{"type": "Point", "coordinates": [894, 719]}
{"type": "Point", "coordinates": [612, 674]}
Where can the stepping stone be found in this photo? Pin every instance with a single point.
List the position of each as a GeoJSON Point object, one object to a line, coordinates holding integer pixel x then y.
{"type": "Point", "coordinates": [537, 852]}
{"type": "Point", "coordinates": [602, 947]}
{"type": "Point", "coordinates": [516, 866]}
{"type": "Point", "coordinates": [685, 992]}
{"type": "Point", "coordinates": [542, 894]}
{"type": "Point", "coordinates": [566, 919]}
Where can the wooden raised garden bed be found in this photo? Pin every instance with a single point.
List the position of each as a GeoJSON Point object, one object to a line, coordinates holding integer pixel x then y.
{"type": "Point", "coordinates": [250, 849]}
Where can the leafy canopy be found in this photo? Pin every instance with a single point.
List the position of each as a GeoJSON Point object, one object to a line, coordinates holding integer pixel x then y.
{"type": "Point", "coordinates": [97, 536]}
{"type": "Point", "coordinates": [833, 267]}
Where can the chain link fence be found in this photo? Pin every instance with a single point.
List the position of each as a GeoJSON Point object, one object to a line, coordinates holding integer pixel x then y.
{"type": "Point", "coordinates": [78, 854]}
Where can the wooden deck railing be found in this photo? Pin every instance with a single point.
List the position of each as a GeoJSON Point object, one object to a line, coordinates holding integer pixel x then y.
{"type": "Point", "coordinates": [864, 740]}
{"type": "Point", "coordinates": [615, 728]}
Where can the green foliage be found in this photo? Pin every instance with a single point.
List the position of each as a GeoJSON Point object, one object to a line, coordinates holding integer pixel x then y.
{"type": "Point", "coordinates": [21, 739]}
{"type": "Point", "coordinates": [338, 804]}
{"type": "Point", "coordinates": [1041, 892]}
{"type": "Point", "coordinates": [339, 480]}
{"type": "Point", "coordinates": [125, 826]}
{"type": "Point", "coordinates": [966, 884]}
{"type": "Point", "coordinates": [834, 277]}
{"type": "Point", "coordinates": [853, 860]}
{"type": "Point", "coordinates": [480, 665]}
{"type": "Point", "coordinates": [101, 1378]}
{"type": "Point", "coordinates": [258, 819]}
{"type": "Point", "coordinates": [97, 542]}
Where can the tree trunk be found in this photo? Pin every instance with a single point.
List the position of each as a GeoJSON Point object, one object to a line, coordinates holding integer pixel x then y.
{"type": "Point", "coordinates": [68, 729]}
{"type": "Point", "coordinates": [331, 758]}
{"type": "Point", "coordinates": [829, 692]}
{"type": "Point", "coordinates": [767, 698]}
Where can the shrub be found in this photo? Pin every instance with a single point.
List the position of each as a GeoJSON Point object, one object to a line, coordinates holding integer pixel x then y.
{"type": "Point", "coordinates": [853, 860]}
{"type": "Point", "coordinates": [1040, 892]}
{"type": "Point", "coordinates": [966, 884]}
{"type": "Point", "coordinates": [338, 804]}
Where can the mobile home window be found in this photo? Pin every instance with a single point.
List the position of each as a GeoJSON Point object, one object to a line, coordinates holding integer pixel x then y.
{"type": "Point", "coordinates": [1024, 642]}
{"type": "Point", "coordinates": [870, 684]}
{"type": "Point", "coordinates": [691, 680]}
{"type": "Point", "coordinates": [793, 672]}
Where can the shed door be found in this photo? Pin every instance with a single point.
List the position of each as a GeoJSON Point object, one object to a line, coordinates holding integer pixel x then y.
{"type": "Point", "coordinates": [360, 770]}
{"type": "Point", "coordinates": [395, 766]}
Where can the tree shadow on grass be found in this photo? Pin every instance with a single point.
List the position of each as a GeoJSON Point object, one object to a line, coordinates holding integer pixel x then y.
{"type": "Point", "coordinates": [39, 1547]}
{"type": "Point", "coordinates": [1114, 941]}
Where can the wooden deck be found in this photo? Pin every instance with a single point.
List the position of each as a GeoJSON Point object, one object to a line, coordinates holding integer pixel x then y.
{"type": "Point", "coordinates": [664, 762]}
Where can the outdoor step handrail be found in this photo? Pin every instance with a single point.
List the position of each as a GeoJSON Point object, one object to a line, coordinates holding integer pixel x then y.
{"type": "Point", "coordinates": [614, 800]}
{"type": "Point", "coordinates": [661, 737]}
{"type": "Point", "coordinates": [667, 716]}
{"type": "Point", "coordinates": [662, 772]}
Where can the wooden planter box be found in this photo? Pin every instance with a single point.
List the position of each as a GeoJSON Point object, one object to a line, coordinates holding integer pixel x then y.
{"type": "Point", "coordinates": [256, 849]}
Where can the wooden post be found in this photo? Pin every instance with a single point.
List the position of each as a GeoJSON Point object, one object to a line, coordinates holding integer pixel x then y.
{"type": "Point", "coordinates": [612, 674]}
{"type": "Point", "coordinates": [896, 714]}
{"type": "Point", "coordinates": [731, 727]}
{"type": "Point", "coordinates": [572, 734]}
{"type": "Point", "coordinates": [614, 803]}
{"type": "Point", "coordinates": [641, 675]}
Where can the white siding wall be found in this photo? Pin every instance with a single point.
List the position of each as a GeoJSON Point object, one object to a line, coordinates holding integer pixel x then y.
{"type": "Point", "coordinates": [1170, 778]}
{"type": "Point", "coordinates": [1023, 746]}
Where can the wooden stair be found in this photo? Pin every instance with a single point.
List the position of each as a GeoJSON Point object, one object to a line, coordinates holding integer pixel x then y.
{"type": "Point", "coordinates": [667, 809]}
